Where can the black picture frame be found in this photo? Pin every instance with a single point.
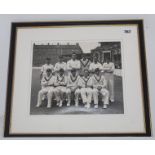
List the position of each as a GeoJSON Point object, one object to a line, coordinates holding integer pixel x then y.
{"type": "Point", "coordinates": [11, 66]}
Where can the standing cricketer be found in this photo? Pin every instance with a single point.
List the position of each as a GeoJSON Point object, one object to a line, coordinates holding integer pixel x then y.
{"type": "Point", "coordinates": [95, 64]}
{"type": "Point", "coordinates": [60, 65]}
{"type": "Point", "coordinates": [73, 63]}
{"type": "Point", "coordinates": [85, 63]}
{"type": "Point", "coordinates": [108, 68]}
{"type": "Point", "coordinates": [47, 83]}
{"type": "Point", "coordinates": [99, 88]}
{"type": "Point", "coordinates": [72, 85]}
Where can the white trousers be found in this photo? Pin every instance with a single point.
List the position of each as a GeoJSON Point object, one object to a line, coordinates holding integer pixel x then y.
{"type": "Point", "coordinates": [50, 95]}
{"type": "Point", "coordinates": [110, 84]}
{"type": "Point", "coordinates": [60, 93]}
{"type": "Point", "coordinates": [42, 92]}
{"type": "Point", "coordinates": [104, 94]}
{"type": "Point", "coordinates": [76, 93]}
{"type": "Point", "coordinates": [86, 95]}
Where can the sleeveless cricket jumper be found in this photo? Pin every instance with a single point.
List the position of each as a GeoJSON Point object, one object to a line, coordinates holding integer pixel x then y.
{"type": "Point", "coordinates": [72, 85]}
{"type": "Point", "coordinates": [86, 90]}
{"type": "Point", "coordinates": [100, 81]}
{"type": "Point", "coordinates": [60, 84]}
{"type": "Point", "coordinates": [84, 65]}
{"type": "Point", "coordinates": [48, 85]}
{"type": "Point", "coordinates": [44, 68]}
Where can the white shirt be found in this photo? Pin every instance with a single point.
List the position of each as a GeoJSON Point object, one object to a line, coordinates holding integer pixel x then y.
{"type": "Point", "coordinates": [45, 67]}
{"type": "Point", "coordinates": [73, 64]}
{"type": "Point", "coordinates": [93, 66]}
{"type": "Point", "coordinates": [108, 67]}
{"type": "Point", "coordinates": [59, 66]}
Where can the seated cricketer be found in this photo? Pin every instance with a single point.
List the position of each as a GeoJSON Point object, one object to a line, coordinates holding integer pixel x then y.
{"type": "Point", "coordinates": [60, 84]}
{"type": "Point", "coordinates": [85, 88]}
{"type": "Point", "coordinates": [47, 82]}
{"type": "Point", "coordinates": [72, 85]}
{"type": "Point", "coordinates": [44, 68]}
{"type": "Point", "coordinates": [99, 88]}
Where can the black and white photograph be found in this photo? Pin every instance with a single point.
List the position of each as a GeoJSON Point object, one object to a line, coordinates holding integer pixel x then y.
{"type": "Point", "coordinates": [77, 78]}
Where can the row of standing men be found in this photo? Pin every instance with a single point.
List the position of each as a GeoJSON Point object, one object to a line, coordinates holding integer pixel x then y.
{"type": "Point", "coordinates": [79, 77]}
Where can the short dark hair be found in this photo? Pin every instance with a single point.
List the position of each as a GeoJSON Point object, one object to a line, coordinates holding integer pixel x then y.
{"type": "Point", "coordinates": [60, 56]}
{"type": "Point", "coordinates": [73, 53]}
{"type": "Point", "coordinates": [86, 70]}
{"type": "Point", "coordinates": [48, 70]}
{"type": "Point", "coordinates": [84, 55]}
{"type": "Point", "coordinates": [107, 58]}
{"type": "Point", "coordinates": [73, 70]}
{"type": "Point", "coordinates": [95, 56]}
{"type": "Point", "coordinates": [97, 70]}
{"type": "Point", "coordinates": [61, 70]}
{"type": "Point", "coordinates": [48, 58]}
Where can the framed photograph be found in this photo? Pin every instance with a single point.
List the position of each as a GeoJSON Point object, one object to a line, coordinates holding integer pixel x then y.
{"type": "Point", "coordinates": [77, 78]}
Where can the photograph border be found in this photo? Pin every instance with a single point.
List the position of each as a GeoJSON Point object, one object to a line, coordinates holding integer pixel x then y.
{"type": "Point", "coordinates": [143, 70]}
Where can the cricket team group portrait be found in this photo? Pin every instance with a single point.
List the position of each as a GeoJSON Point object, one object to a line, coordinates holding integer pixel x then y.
{"type": "Point", "coordinates": [77, 78]}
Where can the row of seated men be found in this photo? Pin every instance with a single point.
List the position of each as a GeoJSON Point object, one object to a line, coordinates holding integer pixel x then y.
{"type": "Point", "coordinates": [88, 87]}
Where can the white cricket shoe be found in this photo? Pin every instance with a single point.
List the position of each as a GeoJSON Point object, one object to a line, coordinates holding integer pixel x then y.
{"type": "Point", "coordinates": [112, 100]}
{"type": "Point", "coordinates": [43, 98]}
{"type": "Point", "coordinates": [76, 103]}
{"type": "Point", "coordinates": [105, 106]}
{"type": "Point", "coordinates": [60, 104]}
{"type": "Point", "coordinates": [48, 106]}
{"type": "Point", "coordinates": [96, 106]}
{"type": "Point", "coordinates": [68, 104]}
{"type": "Point", "coordinates": [87, 105]}
{"type": "Point", "coordinates": [38, 105]}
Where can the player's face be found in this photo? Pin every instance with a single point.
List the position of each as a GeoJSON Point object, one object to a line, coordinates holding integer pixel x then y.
{"type": "Point", "coordinates": [73, 73]}
{"type": "Point", "coordinates": [73, 56]}
{"type": "Point", "coordinates": [48, 61]}
{"type": "Point", "coordinates": [60, 59]}
{"type": "Point", "coordinates": [107, 60]}
{"type": "Point", "coordinates": [48, 73]}
{"type": "Point", "coordinates": [61, 73]}
{"type": "Point", "coordinates": [97, 72]}
{"type": "Point", "coordinates": [95, 59]}
{"type": "Point", "coordinates": [86, 73]}
{"type": "Point", "coordinates": [84, 57]}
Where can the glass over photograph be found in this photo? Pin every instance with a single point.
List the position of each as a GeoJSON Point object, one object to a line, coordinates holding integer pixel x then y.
{"type": "Point", "coordinates": [76, 78]}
